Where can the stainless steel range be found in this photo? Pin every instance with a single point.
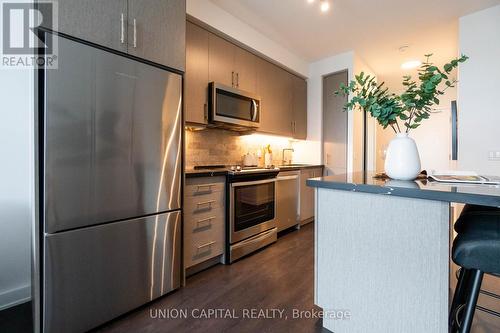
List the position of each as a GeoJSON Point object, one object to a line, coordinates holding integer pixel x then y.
{"type": "Point", "coordinates": [251, 211]}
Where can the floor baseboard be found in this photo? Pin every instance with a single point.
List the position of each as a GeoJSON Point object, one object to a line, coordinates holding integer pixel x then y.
{"type": "Point", "coordinates": [14, 297]}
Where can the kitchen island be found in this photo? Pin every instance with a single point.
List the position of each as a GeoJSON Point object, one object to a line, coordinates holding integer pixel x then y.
{"type": "Point", "coordinates": [382, 251]}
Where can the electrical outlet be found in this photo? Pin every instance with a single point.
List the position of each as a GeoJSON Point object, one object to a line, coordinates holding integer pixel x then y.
{"type": "Point", "coordinates": [494, 155]}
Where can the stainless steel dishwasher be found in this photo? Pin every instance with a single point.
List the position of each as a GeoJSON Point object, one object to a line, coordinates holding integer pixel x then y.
{"type": "Point", "coordinates": [287, 197]}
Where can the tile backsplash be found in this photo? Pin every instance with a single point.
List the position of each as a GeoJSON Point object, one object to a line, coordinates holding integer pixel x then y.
{"type": "Point", "coordinates": [217, 146]}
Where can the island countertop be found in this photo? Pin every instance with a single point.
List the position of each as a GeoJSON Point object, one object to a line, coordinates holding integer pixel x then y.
{"type": "Point", "coordinates": [486, 195]}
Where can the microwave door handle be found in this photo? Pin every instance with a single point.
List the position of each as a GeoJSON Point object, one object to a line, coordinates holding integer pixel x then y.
{"type": "Point", "coordinates": [254, 110]}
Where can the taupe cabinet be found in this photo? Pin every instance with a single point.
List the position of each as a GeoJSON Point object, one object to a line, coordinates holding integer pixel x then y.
{"type": "Point", "coordinates": [204, 220]}
{"type": "Point", "coordinates": [196, 77]}
{"type": "Point", "coordinates": [307, 194]}
{"type": "Point", "coordinates": [230, 65]}
{"type": "Point", "coordinates": [149, 29]}
{"type": "Point", "coordinates": [299, 107]}
{"type": "Point", "coordinates": [212, 58]}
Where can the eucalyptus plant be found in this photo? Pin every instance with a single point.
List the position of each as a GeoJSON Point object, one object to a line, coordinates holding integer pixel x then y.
{"type": "Point", "coordinates": [412, 106]}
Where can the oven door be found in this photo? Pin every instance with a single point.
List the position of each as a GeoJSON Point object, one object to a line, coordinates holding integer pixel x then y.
{"type": "Point", "coordinates": [233, 106]}
{"type": "Point", "coordinates": [252, 208]}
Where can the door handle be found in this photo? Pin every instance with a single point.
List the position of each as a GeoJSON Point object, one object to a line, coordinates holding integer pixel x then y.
{"type": "Point", "coordinates": [232, 79]}
{"type": "Point", "coordinates": [135, 33]}
{"type": "Point", "coordinates": [122, 28]}
{"type": "Point", "coordinates": [237, 80]}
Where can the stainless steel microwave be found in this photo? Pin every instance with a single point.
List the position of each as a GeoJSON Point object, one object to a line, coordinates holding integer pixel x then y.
{"type": "Point", "coordinates": [233, 108]}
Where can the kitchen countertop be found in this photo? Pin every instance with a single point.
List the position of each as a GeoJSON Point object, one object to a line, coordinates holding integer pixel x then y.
{"type": "Point", "coordinates": [191, 173]}
{"type": "Point", "coordinates": [486, 195]}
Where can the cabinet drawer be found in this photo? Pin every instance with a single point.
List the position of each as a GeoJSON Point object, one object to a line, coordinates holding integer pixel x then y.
{"type": "Point", "coordinates": [209, 203]}
{"type": "Point", "coordinates": [203, 243]}
{"type": "Point", "coordinates": [199, 222]}
{"type": "Point", "coordinates": [204, 186]}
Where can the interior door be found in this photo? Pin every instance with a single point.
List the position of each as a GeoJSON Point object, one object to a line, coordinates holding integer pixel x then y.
{"type": "Point", "coordinates": [157, 31]}
{"type": "Point", "coordinates": [112, 138]}
{"type": "Point", "coordinates": [334, 125]}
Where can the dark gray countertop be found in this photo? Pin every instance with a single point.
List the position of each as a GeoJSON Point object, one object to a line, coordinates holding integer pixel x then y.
{"type": "Point", "coordinates": [191, 173]}
{"type": "Point", "coordinates": [486, 195]}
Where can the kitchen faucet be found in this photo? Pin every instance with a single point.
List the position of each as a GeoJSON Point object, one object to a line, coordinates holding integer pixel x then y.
{"type": "Point", "coordinates": [283, 161]}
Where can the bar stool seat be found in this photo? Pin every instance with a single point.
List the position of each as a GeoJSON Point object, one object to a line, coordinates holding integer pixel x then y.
{"type": "Point", "coordinates": [477, 250]}
{"type": "Point", "coordinates": [477, 245]}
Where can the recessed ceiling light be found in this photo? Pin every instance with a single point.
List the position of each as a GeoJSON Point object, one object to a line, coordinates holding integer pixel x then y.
{"type": "Point", "coordinates": [310, 1]}
{"type": "Point", "coordinates": [324, 6]}
{"type": "Point", "coordinates": [411, 64]}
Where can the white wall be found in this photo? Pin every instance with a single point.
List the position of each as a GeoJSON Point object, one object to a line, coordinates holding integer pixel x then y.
{"type": "Point", "coordinates": [478, 104]}
{"type": "Point", "coordinates": [216, 17]}
{"type": "Point", "coordinates": [15, 192]}
{"type": "Point", "coordinates": [433, 137]}
{"type": "Point", "coordinates": [311, 150]}
{"type": "Point", "coordinates": [371, 130]}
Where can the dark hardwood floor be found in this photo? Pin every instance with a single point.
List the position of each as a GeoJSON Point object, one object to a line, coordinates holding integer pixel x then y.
{"type": "Point", "coordinates": [277, 277]}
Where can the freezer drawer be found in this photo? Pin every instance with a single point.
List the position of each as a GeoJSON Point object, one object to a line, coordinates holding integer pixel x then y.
{"type": "Point", "coordinates": [112, 139]}
{"type": "Point", "coordinates": [95, 274]}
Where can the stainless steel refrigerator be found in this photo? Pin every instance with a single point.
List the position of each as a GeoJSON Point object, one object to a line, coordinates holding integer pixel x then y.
{"type": "Point", "coordinates": [111, 173]}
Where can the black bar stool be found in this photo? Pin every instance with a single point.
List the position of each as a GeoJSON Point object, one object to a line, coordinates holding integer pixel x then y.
{"type": "Point", "coordinates": [476, 249]}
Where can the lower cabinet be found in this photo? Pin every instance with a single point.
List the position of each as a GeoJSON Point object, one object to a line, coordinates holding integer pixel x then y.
{"type": "Point", "coordinates": [307, 194]}
{"type": "Point", "coordinates": [204, 220]}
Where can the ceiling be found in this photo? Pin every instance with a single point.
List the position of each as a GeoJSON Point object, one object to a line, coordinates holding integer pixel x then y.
{"type": "Point", "coordinates": [374, 29]}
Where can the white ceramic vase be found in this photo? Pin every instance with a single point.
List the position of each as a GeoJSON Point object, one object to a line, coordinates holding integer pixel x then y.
{"type": "Point", "coordinates": [402, 161]}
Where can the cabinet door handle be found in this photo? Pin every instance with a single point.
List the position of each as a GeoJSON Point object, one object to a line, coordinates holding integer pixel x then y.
{"type": "Point", "coordinates": [135, 33]}
{"type": "Point", "coordinates": [205, 111]}
{"type": "Point", "coordinates": [206, 203]}
{"type": "Point", "coordinates": [237, 80]}
{"type": "Point", "coordinates": [204, 187]}
{"type": "Point", "coordinates": [205, 245]}
{"type": "Point", "coordinates": [232, 79]}
{"type": "Point", "coordinates": [122, 28]}
{"type": "Point", "coordinates": [208, 219]}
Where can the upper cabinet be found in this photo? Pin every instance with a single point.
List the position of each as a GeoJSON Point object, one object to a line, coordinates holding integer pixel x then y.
{"type": "Point", "coordinates": [245, 70]}
{"type": "Point", "coordinates": [221, 61]}
{"type": "Point", "coordinates": [149, 29]}
{"type": "Point", "coordinates": [230, 65]}
{"type": "Point", "coordinates": [97, 21]}
{"type": "Point", "coordinates": [299, 107]}
{"type": "Point", "coordinates": [274, 86]}
{"type": "Point", "coordinates": [196, 77]}
{"type": "Point", "coordinates": [157, 31]}
{"type": "Point", "coordinates": [213, 58]}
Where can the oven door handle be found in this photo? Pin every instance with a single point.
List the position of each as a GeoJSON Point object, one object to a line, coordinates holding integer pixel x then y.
{"type": "Point", "coordinates": [256, 182]}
